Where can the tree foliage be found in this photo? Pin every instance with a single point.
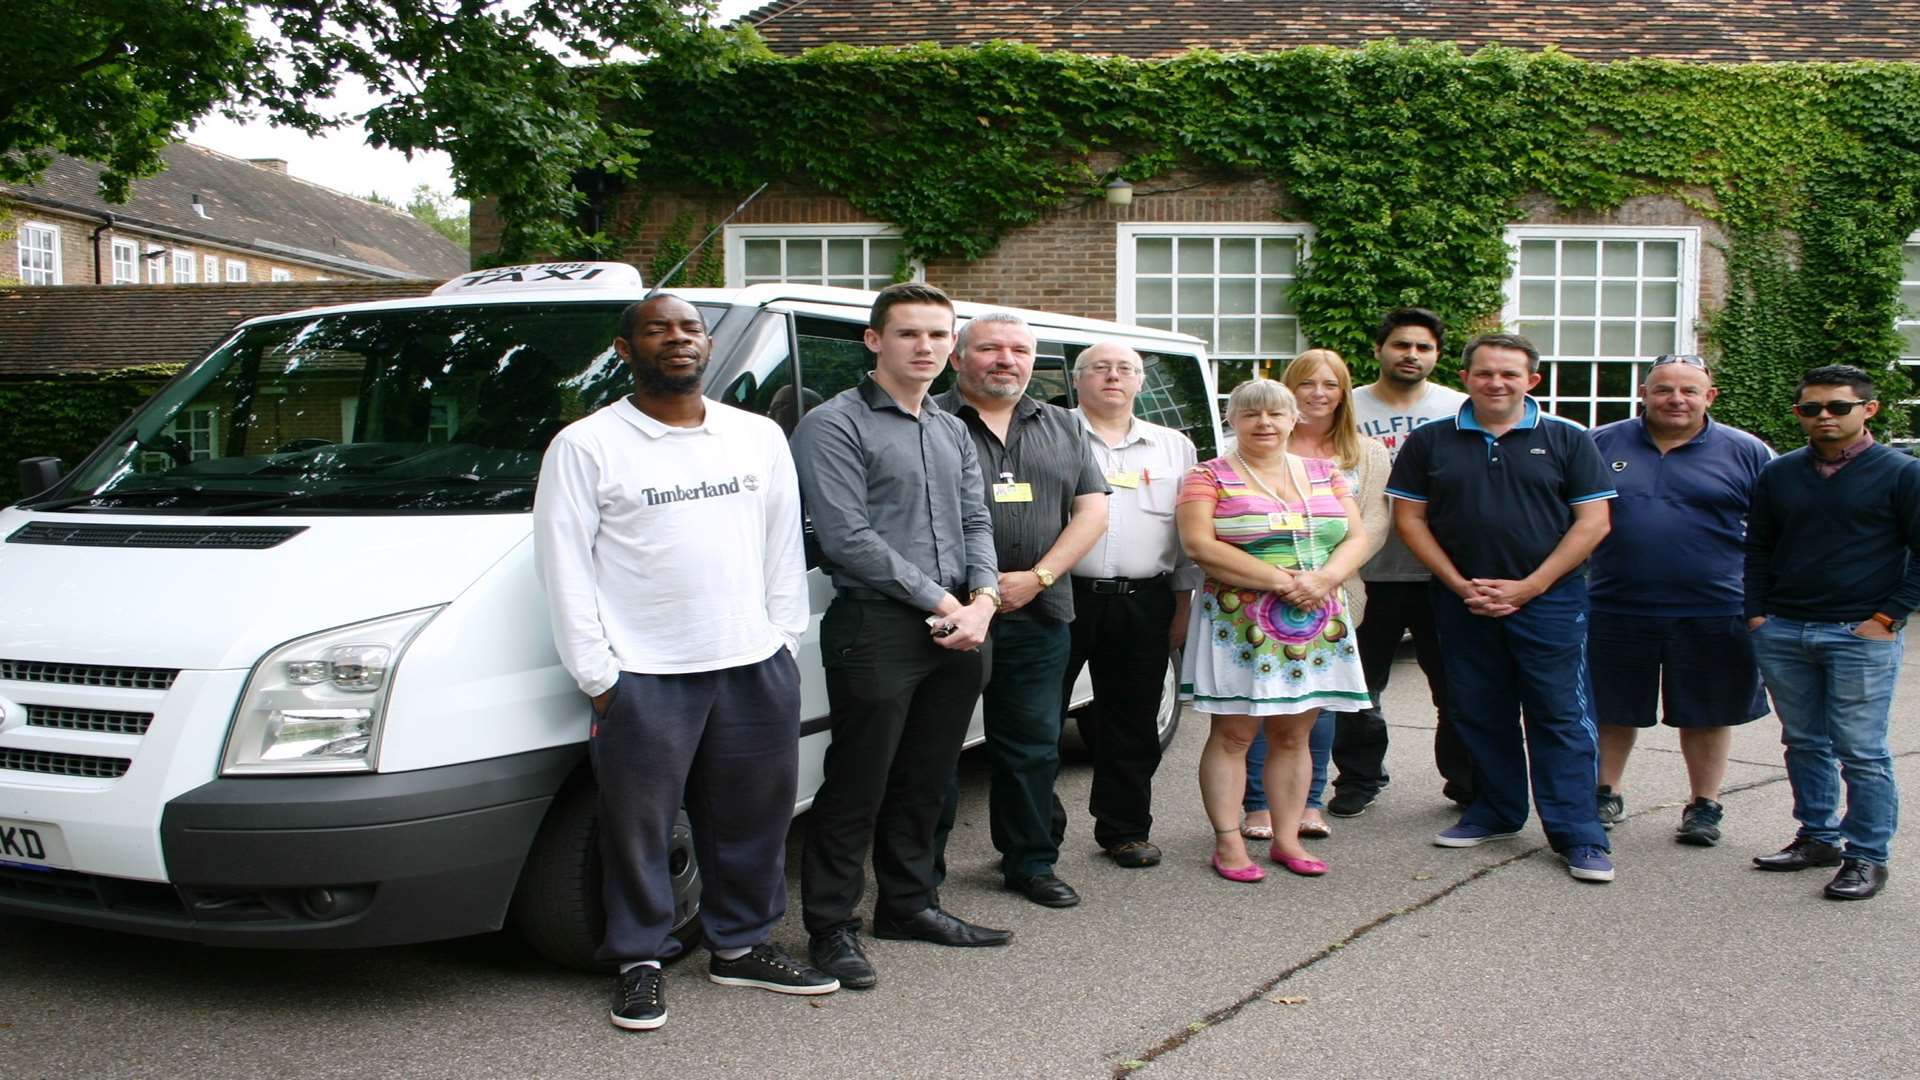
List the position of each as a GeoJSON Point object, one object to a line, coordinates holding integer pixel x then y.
{"type": "Point", "coordinates": [516, 93]}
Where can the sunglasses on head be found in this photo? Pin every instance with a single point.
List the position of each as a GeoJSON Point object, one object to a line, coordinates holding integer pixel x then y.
{"type": "Point", "coordinates": [1811, 409]}
{"type": "Point", "coordinates": [1689, 359]}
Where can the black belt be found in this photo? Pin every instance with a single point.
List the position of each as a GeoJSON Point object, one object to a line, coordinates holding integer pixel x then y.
{"type": "Point", "coordinates": [1123, 586]}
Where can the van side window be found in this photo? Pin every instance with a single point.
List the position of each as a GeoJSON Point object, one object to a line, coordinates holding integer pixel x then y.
{"type": "Point", "coordinates": [765, 384]}
{"type": "Point", "coordinates": [1174, 394]}
{"type": "Point", "coordinates": [833, 354]}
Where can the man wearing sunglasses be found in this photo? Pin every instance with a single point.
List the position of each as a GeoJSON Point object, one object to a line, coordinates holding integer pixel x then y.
{"type": "Point", "coordinates": [1665, 586]}
{"type": "Point", "coordinates": [1831, 576]}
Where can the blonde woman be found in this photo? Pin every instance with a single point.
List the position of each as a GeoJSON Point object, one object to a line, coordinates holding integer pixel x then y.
{"type": "Point", "coordinates": [1323, 389]}
{"type": "Point", "coordinates": [1269, 644]}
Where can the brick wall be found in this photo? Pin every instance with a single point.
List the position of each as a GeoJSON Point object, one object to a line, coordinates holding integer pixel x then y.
{"type": "Point", "coordinates": [76, 253]}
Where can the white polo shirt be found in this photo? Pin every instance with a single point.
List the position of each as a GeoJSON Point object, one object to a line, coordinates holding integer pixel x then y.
{"type": "Point", "coordinates": [667, 550]}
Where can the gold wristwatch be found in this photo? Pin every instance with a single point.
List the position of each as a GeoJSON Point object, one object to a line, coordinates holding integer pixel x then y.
{"type": "Point", "coordinates": [987, 591]}
{"type": "Point", "coordinates": [1045, 575]}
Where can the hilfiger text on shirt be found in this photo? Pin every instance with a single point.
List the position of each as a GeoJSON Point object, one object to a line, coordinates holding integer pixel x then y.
{"type": "Point", "coordinates": [702, 490]}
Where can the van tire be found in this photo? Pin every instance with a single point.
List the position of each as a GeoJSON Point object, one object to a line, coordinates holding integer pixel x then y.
{"type": "Point", "coordinates": [557, 907]}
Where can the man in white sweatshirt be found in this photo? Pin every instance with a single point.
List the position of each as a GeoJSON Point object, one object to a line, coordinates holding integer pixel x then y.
{"type": "Point", "coordinates": [667, 531]}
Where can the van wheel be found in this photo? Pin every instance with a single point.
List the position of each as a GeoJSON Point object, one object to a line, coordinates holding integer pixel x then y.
{"type": "Point", "coordinates": [556, 906]}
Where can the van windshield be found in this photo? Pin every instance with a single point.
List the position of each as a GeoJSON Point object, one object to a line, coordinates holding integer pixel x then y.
{"type": "Point", "coordinates": [427, 410]}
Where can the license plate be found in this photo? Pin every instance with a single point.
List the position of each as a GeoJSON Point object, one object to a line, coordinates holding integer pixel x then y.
{"type": "Point", "coordinates": [32, 845]}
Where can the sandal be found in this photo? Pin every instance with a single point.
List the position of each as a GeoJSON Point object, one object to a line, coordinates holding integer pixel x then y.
{"type": "Point", "coordinates": [1315, 830]}
{"type": "Point", "coordinates": [1256, 832]}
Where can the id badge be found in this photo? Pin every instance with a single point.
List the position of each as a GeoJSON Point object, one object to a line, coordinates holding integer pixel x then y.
{"type": "Point", "coordinates": [1123, 478]}
{"type": "Point", "coordinates": [1286, 521]}
{"type": "Point", "coordinates": [1013, 493]}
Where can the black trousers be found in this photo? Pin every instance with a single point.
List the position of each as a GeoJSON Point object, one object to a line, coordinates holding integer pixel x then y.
{"type": "Point", "coordinates": [900, 705]}
{"type": "Point", "coordinates": [1123, 640]}
{"type": "Point", "coordinates": [728, 739]}
{"type": "Point", "coordinates": [1360, 738]}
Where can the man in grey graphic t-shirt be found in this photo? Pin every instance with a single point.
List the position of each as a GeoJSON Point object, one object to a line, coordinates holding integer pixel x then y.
{"type": "Point", "coordinates": [1407, 345]}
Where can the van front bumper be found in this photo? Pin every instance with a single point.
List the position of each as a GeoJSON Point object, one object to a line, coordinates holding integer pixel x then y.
{"type": "Point", "coordinates": [324, 861]}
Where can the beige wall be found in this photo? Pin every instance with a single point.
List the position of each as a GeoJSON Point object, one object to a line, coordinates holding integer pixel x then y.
{"type": "Point", "coordinates": [76, 253]}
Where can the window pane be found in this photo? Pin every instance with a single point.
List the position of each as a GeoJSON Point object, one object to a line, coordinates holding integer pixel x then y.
{"type": "Point", "coordinates": [1576, 339]}
{"type": "Point", "coordinates": [846, 257]}
{"type": "Point", "coordinates": [1236, 335]}
{"type": "Point", "coordinates": [1196, 255]}
{"type": "Point", "coordinates": [1541, 334]}
{"type": "Point", "coordinates": [1620, 258]}
{"type": "Point", "coordinates": [1910, 340]}
{"type": "Point", "coordinates": [1910, 299]}
{"type": "Point", "coordinates": [803, 260]}
{"type": "Point", "coordinates": [1536, 258]}
{"type": "Point", "coordinates": [1200, 328]}
{"type": "Point", "coordinates": [1616, 298]}
{"type": "Point", "coordinates": [1576, 379]}
{"type": "Point", "coordinates": [763, 258]}
{"type": "Point", "coordinates": [1656, 338]}
{"type": "Point", "coordinates": [848, 282]}
{"type": "Point", "coordinates": [1578, 258]}
{"type": "Point", "coordinates": [1154, 324]}
{"type": "Point", "coordinates": [883, 258]}
{"type": "Point", "coordinates": [1281, 255]}
{"type": "Point", "coordinates": [1536, 298]}
{"type": "Point", "coordinates": [1153, 255]}
{"type": "Point", "coordinates": [1609, 411]}
{"type": "Point", "coordinates": [1616, 339]}
{"type": "Point", "coordinates": [1275, 297]}
{"type": "Point", "coordinates": [1576, 298]}
{"type": "Point", "coordinates": [1279, 336]}
{"type": "Point", "coordinates": [1153, 296]}
{"type": "Point", "coordinates": [1196, 296]}
{"type": "Point", "coordinates": [1236, 296]}
{"type": "Point", "coordinates": [1236, 255]}
{"type": "Point", "coordinates": [1662, 259]}
{"type": "Point", "coordinates": [1616, 380]}
{"type": "Point", "coordinates": [1660, 299]}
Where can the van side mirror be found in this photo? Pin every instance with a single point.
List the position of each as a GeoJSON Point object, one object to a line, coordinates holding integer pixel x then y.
{"type": "Point", "coordinates": [38, 474]}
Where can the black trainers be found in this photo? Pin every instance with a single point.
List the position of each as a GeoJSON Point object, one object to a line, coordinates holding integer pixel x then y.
{"type": "Point", "coordinates": [1611, 805]}
{"type": "Point", "coordinates": [640, 1001]}
{"type": "Point", "coordinates": [1351, 802]}
{"type": "Point", "coordinates": [1699, 823]}
{"type": "Point", "coordinates": [770, 967]}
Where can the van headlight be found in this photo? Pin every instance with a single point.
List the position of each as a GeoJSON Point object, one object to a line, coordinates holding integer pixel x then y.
{"type": "Point", "coordinates": [315, 703]}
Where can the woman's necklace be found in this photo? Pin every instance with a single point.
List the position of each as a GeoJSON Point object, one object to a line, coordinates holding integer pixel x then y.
{"type": "Point", "coordinates": [1302, 547]}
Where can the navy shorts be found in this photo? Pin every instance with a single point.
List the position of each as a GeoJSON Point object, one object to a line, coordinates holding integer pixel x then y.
{"type": "Point", "coordinates": [1691, 672]}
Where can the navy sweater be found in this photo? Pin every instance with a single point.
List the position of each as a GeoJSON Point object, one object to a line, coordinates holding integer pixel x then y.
{"type": "Point", "coordinates": [1838, 549]}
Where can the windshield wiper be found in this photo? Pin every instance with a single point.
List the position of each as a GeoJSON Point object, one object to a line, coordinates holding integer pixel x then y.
{"type": "Point", "coordinates": [467, 479]}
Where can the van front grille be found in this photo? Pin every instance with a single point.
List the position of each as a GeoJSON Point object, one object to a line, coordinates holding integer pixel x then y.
{"type": "Point", "coordinates": [123, 678]}
{"type": "Point", "coordinates": [111, 721]}
{"type": "Point", "coordinates": [244, 537]}
{"type": "Point", "coordinates": [39, 761]}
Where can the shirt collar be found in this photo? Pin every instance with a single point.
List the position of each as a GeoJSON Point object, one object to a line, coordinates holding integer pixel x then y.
{"type": "Point", "coordinates": [954, 402]}
{"type": "Point", "coordinates": [876, 397]}
{"type": "Point", "coordinates": [1529, 416]}
{"type": "Point", "coordinates": [1136, 431]}
{"type": "Point", "coordinates": [653, 428]}
{"type": "Point", "coordinates": [1647, 436]}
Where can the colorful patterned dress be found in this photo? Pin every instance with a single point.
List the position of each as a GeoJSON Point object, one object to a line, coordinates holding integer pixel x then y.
{"type": "Point", "coordinates": [1250, 652]}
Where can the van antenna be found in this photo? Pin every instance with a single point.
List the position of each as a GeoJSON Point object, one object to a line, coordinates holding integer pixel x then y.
{"type": "Point", "coordinates": [695, 249]}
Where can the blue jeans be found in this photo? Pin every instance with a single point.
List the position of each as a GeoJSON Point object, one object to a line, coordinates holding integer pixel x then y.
{"type": "Point", "coordinates": [1319, 745]}
{"type": "Point", "coordinates": [1832, 690]}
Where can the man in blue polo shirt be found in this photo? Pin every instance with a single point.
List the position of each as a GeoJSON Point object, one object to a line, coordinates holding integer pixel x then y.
{"type": "Point", "coordinates": [1504, 503]}
{"type": "Point", "coordinates": [1667, 593]}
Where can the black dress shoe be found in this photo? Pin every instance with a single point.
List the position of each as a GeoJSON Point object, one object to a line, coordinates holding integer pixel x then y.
{"type": "Point", "coordinates": [932, 924]}
{"type": "Point", "coordinates": [1802, 854]}
{"type": "Point", "coordinates": [1045, 890]}
{"type": "Point", "coordinates": [837, 952]}
{"type": "Point", "coordinates": [1858, 879]}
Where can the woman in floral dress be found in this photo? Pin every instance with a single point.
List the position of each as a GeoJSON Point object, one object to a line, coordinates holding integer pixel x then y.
{"type": "Point", "coordinates": [1270, 643]}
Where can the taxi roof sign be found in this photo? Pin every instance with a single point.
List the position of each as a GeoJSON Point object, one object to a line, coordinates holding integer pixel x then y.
{"type": "Point", "coordinates": [554, 275]}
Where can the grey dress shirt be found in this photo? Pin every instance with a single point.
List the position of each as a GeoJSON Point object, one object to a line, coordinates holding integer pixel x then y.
{"type": "Point", "coordinates": [897, 501]}
{"type": "Point", "coordinates": [1045, 449]}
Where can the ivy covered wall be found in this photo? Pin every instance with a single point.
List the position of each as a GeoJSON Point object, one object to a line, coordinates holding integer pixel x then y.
{"type": "Point", "coordinates": [1409, 161]}
{"type": "Point", "coordinates": [67, 416]}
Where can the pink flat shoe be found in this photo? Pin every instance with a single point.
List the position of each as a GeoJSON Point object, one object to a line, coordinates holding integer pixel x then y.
{"type": "Point", "coordinates": [1247, 873]}
{"type": "Point", "coordinates": [1303, 867]}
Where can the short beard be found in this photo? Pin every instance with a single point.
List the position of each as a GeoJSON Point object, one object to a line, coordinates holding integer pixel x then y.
{"type": "Point", "coordinates": [655, 383]}
{"type": "Point", "coordinates": [1390, 374]}
{"type": "Point", "coordinates": [984, 389]}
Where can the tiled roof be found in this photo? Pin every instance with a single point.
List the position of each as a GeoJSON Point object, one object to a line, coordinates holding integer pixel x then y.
{"type": "Point", "coordinates": [54, 329]}
{"type": "Point", "coordinates": [253, 207]}
{"type": "Point", "coordinates": [1730, 31]}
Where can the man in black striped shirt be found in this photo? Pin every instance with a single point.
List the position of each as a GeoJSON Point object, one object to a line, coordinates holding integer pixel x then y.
{"type": "Point", "coordinates": [1048, 500]}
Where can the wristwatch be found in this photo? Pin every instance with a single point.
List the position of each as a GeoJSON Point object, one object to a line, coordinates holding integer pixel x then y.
{"type": "Point", "coordinates": [1045, 575]}
{"type": "Point", "coordinates": [987, 591]}
{"type": "Point", "coordinates": [1892, 624]}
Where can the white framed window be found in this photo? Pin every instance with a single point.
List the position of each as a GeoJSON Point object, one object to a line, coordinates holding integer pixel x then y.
{"type": "Point", "coordinates": [1230, 285]}
{"type": "Point", "coordinates": [126, 262]}
{"type": "Point", "coordinates": [183, 264]}
{"type": "Point", "coordinates": [851, 256]}
{"type": "Point", "coordinates": [1600, 302]}
{"type": "Point", "coordinates": [211, 264]}
{"type": "Point", "coordinates": [1908, 326]}
{"type": "Point", "coordinates": [156, 262]}
{"type": "Point", "coordinates": [236, 269]}
{"type": "Point", "coordinates": [281, 275]}
{"type": "Point", "coordinates": [39, 247]}
{"type": "Point", "coordinates": [196, 430]}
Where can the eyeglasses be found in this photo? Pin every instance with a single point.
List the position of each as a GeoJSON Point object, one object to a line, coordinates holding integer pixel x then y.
{"type": "Point", "coordinates": [1812, 409]}
{"type": "Point", "coordinates": [1105, 369]}
{"type": "Point", "coordinates": [1689, 359]}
